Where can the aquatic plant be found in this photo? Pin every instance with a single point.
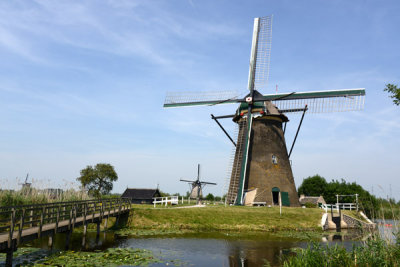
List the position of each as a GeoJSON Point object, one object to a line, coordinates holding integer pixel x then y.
{"type": "Point", "coordinates": [109, 257]}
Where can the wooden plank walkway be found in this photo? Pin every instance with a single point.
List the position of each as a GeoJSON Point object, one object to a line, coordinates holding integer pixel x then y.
{"type": "Point", "coordinates": [20, 224]}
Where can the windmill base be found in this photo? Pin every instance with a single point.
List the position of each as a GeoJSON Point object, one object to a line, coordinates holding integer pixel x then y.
{"type": "Point", "coordinates": [269, 177]}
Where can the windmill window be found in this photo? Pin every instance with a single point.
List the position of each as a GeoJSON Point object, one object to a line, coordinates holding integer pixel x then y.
{"type": "Point", "coordinates": [274, 159]}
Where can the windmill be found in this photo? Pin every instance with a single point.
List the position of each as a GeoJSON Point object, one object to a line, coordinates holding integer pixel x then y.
{"type": "Point", "coordinates": [261, 164]}
{"type": "Point", "coordinates": [196, 187]}
{"type": "Point", "coordinates": [26, 184]}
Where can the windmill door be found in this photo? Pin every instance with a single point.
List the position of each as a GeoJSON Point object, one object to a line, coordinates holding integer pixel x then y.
{"type": "Point", "coordinates": [285, 199]}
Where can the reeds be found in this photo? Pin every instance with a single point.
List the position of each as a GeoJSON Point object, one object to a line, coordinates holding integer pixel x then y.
{"type": "Point", "coordinates": [34, 195]}
{"type": "Point", "coordinates": [374, 252]}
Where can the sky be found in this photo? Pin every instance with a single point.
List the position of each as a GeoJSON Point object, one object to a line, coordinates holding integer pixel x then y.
{"type": "Point", "coordinates": [84, 82]}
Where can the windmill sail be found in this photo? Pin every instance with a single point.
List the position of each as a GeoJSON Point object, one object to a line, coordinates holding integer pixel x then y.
{"type": "Point", "coordinates": [320, 101]}
{"type": "Point", "coordinates": [263, 54]}
{"type": "Point", "coordinates": [191, 98]}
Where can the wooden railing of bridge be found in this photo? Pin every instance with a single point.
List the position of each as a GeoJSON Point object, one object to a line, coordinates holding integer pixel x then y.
{"type": "Point", "coordinates": [23, 223]}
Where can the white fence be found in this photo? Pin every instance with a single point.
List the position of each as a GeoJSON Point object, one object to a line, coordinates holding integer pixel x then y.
{"type": "Point", "coordinates": [343, 206]}
{"type": "Point", "coordinates": [173, 200]}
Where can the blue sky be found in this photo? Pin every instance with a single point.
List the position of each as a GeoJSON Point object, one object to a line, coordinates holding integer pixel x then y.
{"type": "Point", "coordinates": [83, 82]}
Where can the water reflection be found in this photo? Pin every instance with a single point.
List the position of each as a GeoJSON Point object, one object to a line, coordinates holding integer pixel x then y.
{"type": "Point", "coordinates": [258, 253]}
{"type": "Point", "coordinates": [77, 242]}
{"type": "Point", "coordinates": [388, 229]}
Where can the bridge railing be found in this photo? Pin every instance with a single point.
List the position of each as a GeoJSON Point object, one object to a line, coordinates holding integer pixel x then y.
{"type": "Point", "coordinates": [13, 219]}
{"type": "Point", "coordinates": [337, 206]}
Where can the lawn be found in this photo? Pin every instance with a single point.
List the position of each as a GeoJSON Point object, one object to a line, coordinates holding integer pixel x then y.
{"type": "Point", "coordinates": [221, 218]}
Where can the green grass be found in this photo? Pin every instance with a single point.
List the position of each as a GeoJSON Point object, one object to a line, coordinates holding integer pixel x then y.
{"type": "Point", "coordinates": [219, 218]}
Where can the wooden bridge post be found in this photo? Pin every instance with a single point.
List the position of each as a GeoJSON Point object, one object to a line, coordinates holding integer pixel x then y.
{"type": "Point", "coordinates": [10, 254]}
{"type": "Point", "coordinates": [84, 219]}
{"type": "Point", "coordinates": [94, 210]}
{"type": "Point", "coordinates": [11, 241]}
{"type": "Point", "coordinates": [57, 219]}
{"type": "Point", "coordinates": [21, 226]}
{"type": "Point", "coordinates": [12, 225]}
{"type": "Point", "coordinates": [119, 213]}
{"type": "Point", "coordinates": [41, 222]}
{"type": "Point", "coordinates": [74, 211]}
{"type": "Point", "coordinates": [50, 243]}
{"type": "Point", "coordinates": [68, 239]}
{"type": "Point", "coordinates": [83, 241]}
{"type": "Point", "coordinates": [102, 211]}
{"type": "Point", "coordinates": [70, 229]}
{"type": "Point", "coordinates": [70, 219]}
{"type": "Point", "coordinates": [31, 217]}
{"type": "Point", "coordinates": [98, 231]}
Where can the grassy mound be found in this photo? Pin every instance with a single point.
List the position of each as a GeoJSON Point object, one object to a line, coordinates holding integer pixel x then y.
{"type": "Point", "coordinates": [219, 218]}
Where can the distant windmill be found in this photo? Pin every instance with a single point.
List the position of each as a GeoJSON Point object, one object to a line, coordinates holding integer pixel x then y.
{"type": "Point", "coordinates": [26, 184]}
{"type": "Point", "coordinates": [196, 187]}
{"type": "Point", "coordinates": [261, 159]}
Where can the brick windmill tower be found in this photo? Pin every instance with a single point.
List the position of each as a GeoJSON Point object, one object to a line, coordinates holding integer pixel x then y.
{"type": "Point", "coordinates": [261, 170]}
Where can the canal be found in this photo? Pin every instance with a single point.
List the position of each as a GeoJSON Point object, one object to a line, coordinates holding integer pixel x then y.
{"type": "Point", "coordinates": [201, 249]}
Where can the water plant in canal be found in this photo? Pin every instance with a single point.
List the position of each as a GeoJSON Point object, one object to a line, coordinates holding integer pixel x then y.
{"type": "Point", "coordinates": [109, 257]}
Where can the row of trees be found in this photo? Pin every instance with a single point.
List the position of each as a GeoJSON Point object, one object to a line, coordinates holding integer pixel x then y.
{"type": "Point", "coordinates": [318, 186]}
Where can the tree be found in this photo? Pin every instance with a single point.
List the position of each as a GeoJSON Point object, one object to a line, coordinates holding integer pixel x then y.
{"type": "Point", "coordinates": [98, 180]}
{"type": "Point", "coordinates": [394, 91]}
{"type": "Point", "coordinates": [210, 197]}
{"type": "Point", "coordinates": [313, 186]}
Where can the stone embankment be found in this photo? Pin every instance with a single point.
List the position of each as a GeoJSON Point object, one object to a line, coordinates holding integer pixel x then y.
{"type": "Point", "coordinates": [346, 222]}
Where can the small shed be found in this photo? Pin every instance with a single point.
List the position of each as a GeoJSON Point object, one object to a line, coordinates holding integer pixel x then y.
{"type": "Point", "coordinates": [141, 196]}
{"type": "Point", "coordinates": [317, 201]}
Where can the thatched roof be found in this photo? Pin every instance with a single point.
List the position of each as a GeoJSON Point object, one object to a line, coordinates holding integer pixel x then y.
{"type": "Point", "coordinates": [313, 200]}
{"type": "Point", "coordinates": [139, 193]}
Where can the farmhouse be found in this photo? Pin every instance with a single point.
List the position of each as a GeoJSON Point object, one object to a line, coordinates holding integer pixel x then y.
{"type": "Point", "coordinates": [141, 196]}
{"type": "Point", "coordinates": [317, 201]}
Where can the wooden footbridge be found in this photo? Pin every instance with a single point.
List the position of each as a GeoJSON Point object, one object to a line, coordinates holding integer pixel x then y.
{"type": "Point", "coordinates": [24, 223]}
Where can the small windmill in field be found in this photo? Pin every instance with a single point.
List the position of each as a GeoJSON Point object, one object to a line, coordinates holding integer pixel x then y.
{"type": "Point", "coordinates": [196, 187]}
{"type": "Point", "coordinates": [26, 185]}
{"type": "Point", "coordinates": [261, 164]}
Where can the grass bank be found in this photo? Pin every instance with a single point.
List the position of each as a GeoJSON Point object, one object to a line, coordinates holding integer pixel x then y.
{"type": "Point", "coordinates": [147, 220]}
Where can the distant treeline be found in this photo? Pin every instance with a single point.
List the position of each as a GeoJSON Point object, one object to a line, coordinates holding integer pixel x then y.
{"type": "Point", "coordinates": [373, 206]}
